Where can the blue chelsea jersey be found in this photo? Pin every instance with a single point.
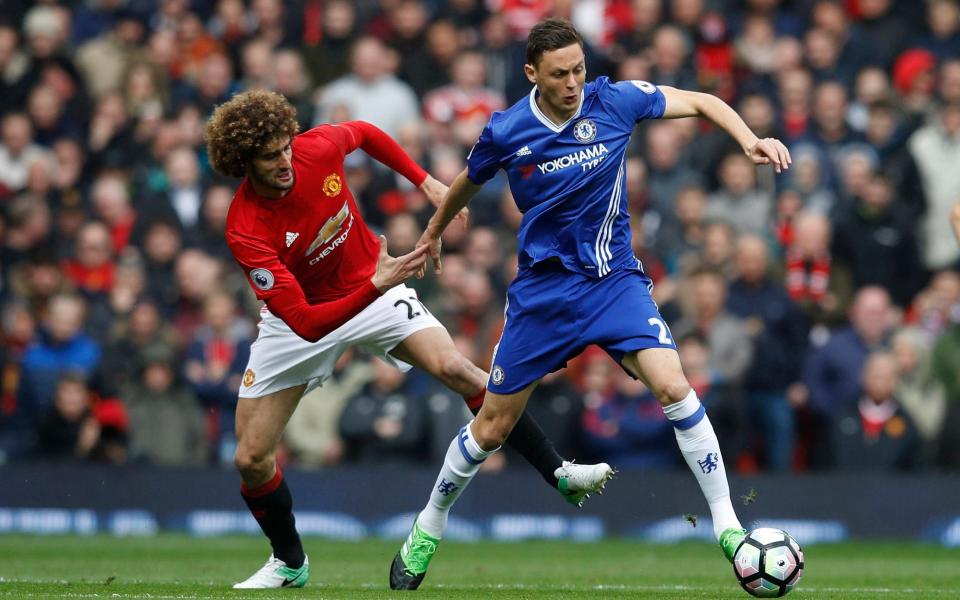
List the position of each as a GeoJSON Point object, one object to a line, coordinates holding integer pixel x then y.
{"type": "Point", "coordinates": [568, 179]}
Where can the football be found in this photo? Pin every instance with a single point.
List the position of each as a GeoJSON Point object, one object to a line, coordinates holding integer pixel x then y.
{"type": "Point", "coordinates": [768, 563]}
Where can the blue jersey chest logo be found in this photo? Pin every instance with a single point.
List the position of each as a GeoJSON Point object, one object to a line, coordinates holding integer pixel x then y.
{"type": "Point", "coordinates": [585, 131]}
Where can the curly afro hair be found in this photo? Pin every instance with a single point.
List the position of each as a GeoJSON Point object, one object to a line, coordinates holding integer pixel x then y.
{"type": "Point", "coordinates": [241, 127]}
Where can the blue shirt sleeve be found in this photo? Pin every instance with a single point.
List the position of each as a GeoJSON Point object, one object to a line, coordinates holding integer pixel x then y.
{"type": "Point", "coordinates": [483, 162]}
{"type": "Point", "coordinates": [639, 99]}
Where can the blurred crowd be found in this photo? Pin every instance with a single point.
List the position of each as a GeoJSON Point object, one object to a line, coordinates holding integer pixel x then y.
{"type": "Point", "coordinates": [817, 313]}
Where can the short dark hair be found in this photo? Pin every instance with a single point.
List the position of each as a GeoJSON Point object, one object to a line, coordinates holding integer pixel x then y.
{"type": "Point", "coordinates": [548, 35]}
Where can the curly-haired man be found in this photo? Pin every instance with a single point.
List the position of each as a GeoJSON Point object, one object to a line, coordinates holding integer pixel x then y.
{"type": "Point", "coordinates": [328, 284]}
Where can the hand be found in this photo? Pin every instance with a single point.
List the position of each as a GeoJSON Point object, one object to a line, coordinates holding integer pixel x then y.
{"type": "Point", "coordinates": [436, 192]}
{"type": "Point", "coordinates": [432, 243]}
{"type": "Point", "coordinates": [770, 150]}
{"type": "Point", "coordinates": [394, 271]}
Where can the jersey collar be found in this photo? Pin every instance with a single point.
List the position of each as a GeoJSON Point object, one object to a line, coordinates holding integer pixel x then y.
{"type": "Point", "coordinates": [544, 119]}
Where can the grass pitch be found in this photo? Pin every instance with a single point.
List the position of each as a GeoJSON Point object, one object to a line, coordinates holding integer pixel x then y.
{"type": "Point", "coordinates": [172, 567]}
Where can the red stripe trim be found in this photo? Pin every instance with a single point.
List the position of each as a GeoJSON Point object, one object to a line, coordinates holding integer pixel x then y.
{"type": "Point", "coordinates": [476, 402]}
{"type": "Point", "coordinates": [267, 488]}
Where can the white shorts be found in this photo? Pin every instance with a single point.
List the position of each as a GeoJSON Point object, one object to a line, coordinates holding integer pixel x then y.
{"type": "Point", "coordinates": [280, 359]}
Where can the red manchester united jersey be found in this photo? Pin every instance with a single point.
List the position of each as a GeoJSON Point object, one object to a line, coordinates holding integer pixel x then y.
{"type": "Point", "coordinates": [312, 246]}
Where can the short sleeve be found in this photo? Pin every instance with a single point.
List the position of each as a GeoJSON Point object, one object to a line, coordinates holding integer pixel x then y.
{"type": "Point", "coordinates": [639, 99]}
{"type": "Point", "coordinates": [483, 162]}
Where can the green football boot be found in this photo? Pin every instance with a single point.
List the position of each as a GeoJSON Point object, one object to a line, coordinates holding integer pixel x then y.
{"type": "Point", "coordinates": [410, 564]}
{"type": "Point", "coordinates": [730, 540]}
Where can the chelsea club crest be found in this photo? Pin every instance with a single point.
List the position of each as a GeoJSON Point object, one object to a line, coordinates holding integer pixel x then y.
{"type": "Point", "coordinates": [584, 130]}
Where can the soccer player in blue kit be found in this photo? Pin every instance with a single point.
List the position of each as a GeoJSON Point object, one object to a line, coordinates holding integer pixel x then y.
{"type": "Point", "coordinates": [579, 282]}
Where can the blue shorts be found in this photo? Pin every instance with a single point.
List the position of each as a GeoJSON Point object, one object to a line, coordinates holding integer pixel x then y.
{"type": "Point", "coordinates": [553, 314]}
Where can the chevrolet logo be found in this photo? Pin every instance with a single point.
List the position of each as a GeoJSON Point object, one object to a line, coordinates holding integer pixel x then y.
{"type": "Point", "coordinates": [329, 229]}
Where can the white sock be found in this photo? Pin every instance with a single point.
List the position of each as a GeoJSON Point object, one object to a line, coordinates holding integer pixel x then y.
{"type": "Point", "coordinates": [463, 460]}
{"type": "Point", "coordinates": [700, 448]}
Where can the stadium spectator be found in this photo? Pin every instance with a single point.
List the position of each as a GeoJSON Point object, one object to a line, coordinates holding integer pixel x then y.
{"type": "Point", "coordinates": [936, 148]}
{"type": "Point", "coordinates": [881, 30]}
{"type": "Point", "coordinates": [683, 235]}
{"type": "Point", "coordinates": [942, 37]}
{"type": "Point", "coordinates": [920, 395]}
{"type": "Point", "coordinates": [92, 272]}
{"type": "Point", "coordinates": [180, 201]}
{"type": "Point", "coordinates": [129, 282]}
{"type": "Point", "coordinates": [166, 423]}
{"type": "Point", "coordinates": [876, 434]}
{"type": "Point", "coordinates": [197, 276]}
{"type": "Point", "coordinates": [667, 172]}
{"type": "Point", "coordinates": [739, 202]}
{"type": "Point", "coordinates": [162, 244]}
{"type": "Point", "coordinates": [60, 347]}
{"type": "Point", "coordinates": [832, 373]}
{"type": "Point", "coordinates": [723, 331]}
{"type": "Point", "coordinates": [622, 419]}
{"type": "Point", "coordinates": [820, 287]}
{"type": "Point", "coordinates": [290, 78]}
{"type": "Point", "coordinates": [459, 111]}
{"type": "Point", "coordinates": [914, 76]}
{"type": "Point", "coordinates": [37, 280]}
{"type": "Point", "coordinates": [68, 430]}
{"type": "Point", "coordinates": [885, 131]}
{"type": "Point", "coordinates": [214, 365]}
{"type": "Point", "coordinates": [128, 340]}
{"type": "Point", "coordinates": [313, 433]}
{"type": "Point", "coordinates": [384, 423]}
{"type": "Point", "coordinates": [874, 238]}
{"type": "Point", "coordinates": [327, 47]}
{"type": "Point", "coordinates": [104, 59]}
{"type": "Point", "coordinates": [779, 335]}
{"type": "Point", "coordinates": [212, 220]}
{"type": "Point", "coordinates": [670, 53]}
{"type": "Point", "coordinates": [17, 152]}
{"type": "Point", "coordinates": [369, 93]}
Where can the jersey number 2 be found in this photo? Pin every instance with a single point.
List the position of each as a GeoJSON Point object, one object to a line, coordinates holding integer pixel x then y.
{"type": "Point", "coordinates": [411, 311]}
{"type": "Point", "coordinates": [662, 336]}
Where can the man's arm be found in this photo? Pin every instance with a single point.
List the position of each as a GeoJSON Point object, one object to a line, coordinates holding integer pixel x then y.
{"type": "Point", "coordinates": [375, 142]}
{"type": "Point", "coordinates": [460, 194]}
{"type": "Point", "coordinates": [275, 285]}
{"type": "Point", "coordinates": [682, 103]}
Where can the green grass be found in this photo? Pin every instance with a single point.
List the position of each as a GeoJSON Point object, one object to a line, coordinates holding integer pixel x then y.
{"type": "Point", "coordinates": [172, 567]}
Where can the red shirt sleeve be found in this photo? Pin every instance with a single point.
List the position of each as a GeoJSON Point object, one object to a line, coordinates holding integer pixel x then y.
{"type": "Point", "coordinates": [359, 134]}
{"type": "Point", "coordinates": [274, 284]}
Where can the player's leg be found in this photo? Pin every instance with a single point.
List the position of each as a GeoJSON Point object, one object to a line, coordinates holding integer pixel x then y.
{"type": "Point", "coordinates": [260, 423]}
{"type": "Point", "coordinates": [660, 370]}
{"type": "Point", "coordinates": [433, 351]}
{"type": "Point", "coordinates": [470, 447]}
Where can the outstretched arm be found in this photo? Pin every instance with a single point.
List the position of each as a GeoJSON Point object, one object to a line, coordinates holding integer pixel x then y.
{"type": "Point", "coordinates": [375, 142]}
{"type": "Point", "coordinates": [372, 140]}
{"type": "Point", "coordinates": [682, 103]}
{"type": "Point", "coordinates": [461, 192]}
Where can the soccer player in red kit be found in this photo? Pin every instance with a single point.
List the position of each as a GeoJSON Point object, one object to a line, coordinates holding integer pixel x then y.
{"type": "Point", "coordinates": [328, 284]}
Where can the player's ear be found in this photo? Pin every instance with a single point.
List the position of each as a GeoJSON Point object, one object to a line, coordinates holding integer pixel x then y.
{"type": "Point", "coordinates": [531, 72]}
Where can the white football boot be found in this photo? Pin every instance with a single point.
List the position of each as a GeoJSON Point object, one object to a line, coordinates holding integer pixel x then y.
{"type": "Point", "coordinates": [276, 574]}
{"type": "Point", "coordinates": [577, 482]}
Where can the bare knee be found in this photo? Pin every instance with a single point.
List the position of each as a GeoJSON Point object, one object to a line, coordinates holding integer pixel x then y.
{"type": "Point", "coordinates": [673, 391]}
{"type": "Point", "coordinates": [491, 430]}
{"type": "Point", "coordinates": [256, 466]}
